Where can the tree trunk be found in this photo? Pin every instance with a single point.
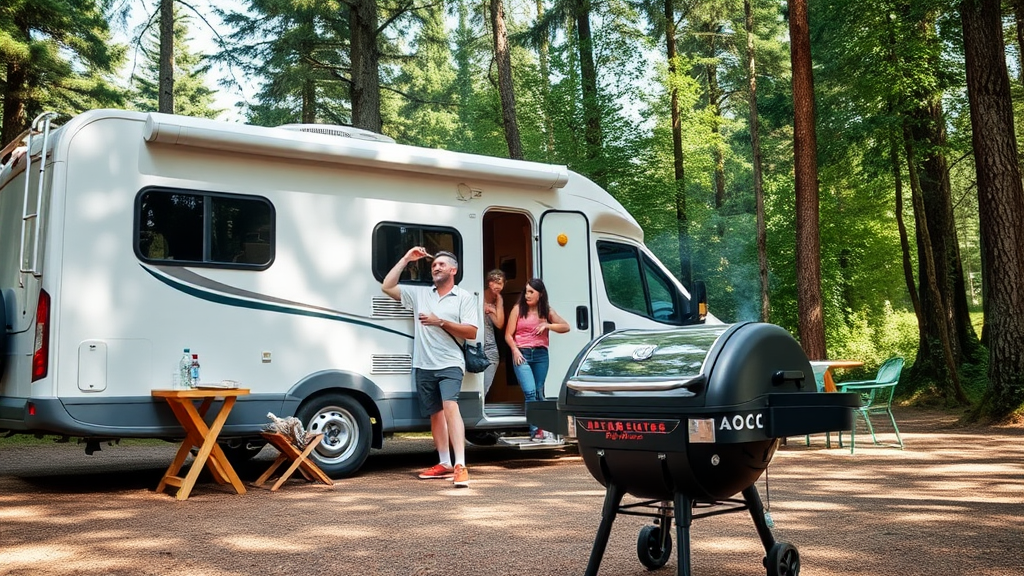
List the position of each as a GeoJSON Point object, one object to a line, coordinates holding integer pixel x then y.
{"type": "Point", "coordinates": [309, 101]}
{"type": "Point", "coordinates": [588, 84]}
{"type": "Point", "coordinates": [929, 127]}
{"type": "Point", "coordinates": [1018, 17]}
{"type": "Point", "coordinates": [506, 90]}
{"type": "Point", "coordinates": [365, 57]}
{"type": "Point", "coordinates": [755, 145]}
{"type": "Point", "coordinates": [545, 78]}
{"type": "Point", "coordinates": [908, 267]}
{"type": "Point", "coordinates": [805, 163]}
{"type": "Point", "coordinates": [14, 118]}
{"type": "Point", "coordinates": [678, 159]}
{"type": "Point", "coordinates": [1000, 201]}
{"type": "Point", "coordinates": [928, 276]}
{"type": "Point", "coordinates": [165, 100]}
{"type": "Point", "coordinates": [715, 103]}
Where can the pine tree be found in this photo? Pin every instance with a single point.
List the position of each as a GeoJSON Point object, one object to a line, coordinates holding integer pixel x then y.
{"type": "Point", "coordinates": [56, 55]}
{"type": "Point", "coordinates": [192, 97]}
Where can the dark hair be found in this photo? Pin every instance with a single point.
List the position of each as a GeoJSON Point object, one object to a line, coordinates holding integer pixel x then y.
{"type": "Point", "coordinates": [542, 302]}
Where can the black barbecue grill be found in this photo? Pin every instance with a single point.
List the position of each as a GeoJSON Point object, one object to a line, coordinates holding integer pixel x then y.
{"type": "Point", "coordinates": [685, 419]}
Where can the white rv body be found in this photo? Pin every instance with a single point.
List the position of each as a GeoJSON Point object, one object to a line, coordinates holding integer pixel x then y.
{"type": "Point", "coordinates": [300, 320]}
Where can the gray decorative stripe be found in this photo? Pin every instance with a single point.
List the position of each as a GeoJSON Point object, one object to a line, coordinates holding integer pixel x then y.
{"type": "Point", "coordinates": [188, 282]}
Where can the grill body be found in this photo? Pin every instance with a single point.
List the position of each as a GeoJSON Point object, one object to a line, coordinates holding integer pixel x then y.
{"type": "Point", "coordinates": [687, 418]}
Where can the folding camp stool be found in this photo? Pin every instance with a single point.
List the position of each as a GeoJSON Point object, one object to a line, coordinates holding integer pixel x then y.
{"type": "Point", "coordinates": [300, 461]}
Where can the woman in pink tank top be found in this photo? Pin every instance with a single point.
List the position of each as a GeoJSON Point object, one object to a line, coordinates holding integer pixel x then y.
{"type": "Point", "coordinates": [526, 333]}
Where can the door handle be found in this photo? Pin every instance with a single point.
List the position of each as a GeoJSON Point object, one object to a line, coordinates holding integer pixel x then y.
{"type": "Point", "coordinates": [582, 318]}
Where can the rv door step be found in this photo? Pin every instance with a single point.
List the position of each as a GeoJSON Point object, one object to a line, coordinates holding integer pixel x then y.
{"type": "Point", "coordinates": [524, 443]}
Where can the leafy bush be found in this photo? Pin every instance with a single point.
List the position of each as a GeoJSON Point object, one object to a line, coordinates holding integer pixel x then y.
{"type": "Point", "coordinates": [874, 338]}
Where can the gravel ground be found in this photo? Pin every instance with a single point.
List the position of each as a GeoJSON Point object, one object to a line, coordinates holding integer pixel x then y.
{"type": "Point", "coordinates": [951, 503]}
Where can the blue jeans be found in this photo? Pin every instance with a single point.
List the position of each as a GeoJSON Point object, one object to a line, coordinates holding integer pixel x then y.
{"type": "Point", "coordinates": [531, 375]}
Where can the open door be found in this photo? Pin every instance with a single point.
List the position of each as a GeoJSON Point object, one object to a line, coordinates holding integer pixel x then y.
{"type": "Point", "coordinates": [565, 269]}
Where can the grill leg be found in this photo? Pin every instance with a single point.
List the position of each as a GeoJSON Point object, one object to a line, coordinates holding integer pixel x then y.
{"type": "Point", "coordinates": [756, 509]}
{"type": "Point", "coordinates": [684, 518]}
{"type": "Point", "coordinates": [612, 498]}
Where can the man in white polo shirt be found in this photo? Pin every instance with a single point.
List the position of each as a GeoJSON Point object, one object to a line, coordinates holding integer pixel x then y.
{"type": "Point", "coordinates": [443, 311]}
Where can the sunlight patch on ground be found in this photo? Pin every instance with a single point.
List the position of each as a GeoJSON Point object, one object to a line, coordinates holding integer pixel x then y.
{"type": "Point", "coordinates": [257, 543]}
{"type": "Point", "coordinates": [23, 513]}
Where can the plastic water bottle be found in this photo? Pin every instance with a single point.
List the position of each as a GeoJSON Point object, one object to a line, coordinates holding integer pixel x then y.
{"type": "Point", "coordinates": [194, 370]}
{"type": "Point", "coordinates": [185, 369]}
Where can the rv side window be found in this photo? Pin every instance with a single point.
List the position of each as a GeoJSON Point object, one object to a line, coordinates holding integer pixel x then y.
{"type": "Point", "coordinates": [391, 240]}
{"type": "Point", "coordinates": [203, 229]}
{"type": "Point", "coordinates": [634, 283]}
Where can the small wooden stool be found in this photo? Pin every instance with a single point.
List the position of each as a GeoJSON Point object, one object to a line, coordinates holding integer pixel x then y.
{"type": "Point", "coordinates": [300, 461]}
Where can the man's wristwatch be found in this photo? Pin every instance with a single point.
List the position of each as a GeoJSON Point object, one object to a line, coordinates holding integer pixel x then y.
{"type": "Point", "coordinates": [441, 324]}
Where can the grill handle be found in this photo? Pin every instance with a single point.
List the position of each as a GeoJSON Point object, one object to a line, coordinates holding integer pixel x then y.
{"type": "Point", "coordinates": [783, 376]}
{"type": "Point", "coordinates": [659, 386]}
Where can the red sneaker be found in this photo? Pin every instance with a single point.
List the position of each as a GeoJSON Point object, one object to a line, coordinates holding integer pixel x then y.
{"type": "Point", "coordinates": [437, 471]}
{"type": "Point", "coordinates": [461, 478]}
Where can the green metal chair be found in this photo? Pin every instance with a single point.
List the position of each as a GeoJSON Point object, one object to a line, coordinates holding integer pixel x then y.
{"type": "Point", "coordinates": [876, 398]}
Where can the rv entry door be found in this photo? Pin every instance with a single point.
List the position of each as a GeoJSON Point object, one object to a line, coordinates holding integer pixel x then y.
{"type": "Point", "coordinates": [565, 270]}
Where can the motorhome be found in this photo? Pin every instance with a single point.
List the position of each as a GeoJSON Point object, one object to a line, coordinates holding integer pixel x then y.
{"type": "Point", "coordinates": [126, 237]}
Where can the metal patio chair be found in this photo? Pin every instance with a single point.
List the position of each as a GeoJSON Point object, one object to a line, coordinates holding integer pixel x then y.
{"type": "Point", "coordinates": [876, 398]}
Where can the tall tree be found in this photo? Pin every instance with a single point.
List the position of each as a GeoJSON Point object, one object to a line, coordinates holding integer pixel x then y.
{"type": "Point", "coordinates": [574, 17]}
{"type": "Point", "coordinates": [1000, 202]}
{"type": "Point", "coordinates": [365, 57]}
{"type": "Point", "coordinates": [506, 90]}
{"type": "Point", "coordinates": [167, 60]}
{"type": "Point", "coordinates": [298, 52]}
{"type": "Point", "coordinates": [58, 55]}
{"type": "Point", "coordinates": [755, 145]}
{"type": "Point", "coordinates": [192, 97]}
{"type": "Point", "coordinates": [805, 144]}
{"type": "Point", "coordinates": [947, 304]}
{"type": "Point", "coordinates": [664, 16]}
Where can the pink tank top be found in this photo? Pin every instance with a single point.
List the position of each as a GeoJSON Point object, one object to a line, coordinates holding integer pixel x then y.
{"type": "Point", "coordinates": [525, 336]}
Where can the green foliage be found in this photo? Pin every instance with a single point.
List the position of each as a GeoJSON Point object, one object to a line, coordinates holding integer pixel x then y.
{"type": "Point", "coordinates": [297, 52]}
{"type": "Point", "coordinates": [56, 55]}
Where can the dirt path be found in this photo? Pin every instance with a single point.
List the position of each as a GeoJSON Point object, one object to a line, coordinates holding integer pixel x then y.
{"type": "Point", "coordinates": [951, 503]}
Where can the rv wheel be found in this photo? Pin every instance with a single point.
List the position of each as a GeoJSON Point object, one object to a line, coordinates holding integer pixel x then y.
{"type": "Point", "coordinates": [347, 432]}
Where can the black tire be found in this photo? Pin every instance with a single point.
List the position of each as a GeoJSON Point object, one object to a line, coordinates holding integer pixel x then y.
{"type": "Point", "coordinates": [783, 560]}
{"type": "Point", "coordinates": [347, 432]}
{"type": "Point", "coordinates": [241, 450]}
{"type": "Point", "coordinates": [482, 438]}
{"type": "Point", "coordinates": [649, 549]}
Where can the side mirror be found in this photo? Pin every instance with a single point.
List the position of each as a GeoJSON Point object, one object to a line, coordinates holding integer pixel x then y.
{"type": "Point", "coordinates": [698, 301]}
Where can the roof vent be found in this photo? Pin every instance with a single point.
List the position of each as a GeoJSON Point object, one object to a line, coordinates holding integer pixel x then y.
{"type": "Point", "coordinates": [335, 130]}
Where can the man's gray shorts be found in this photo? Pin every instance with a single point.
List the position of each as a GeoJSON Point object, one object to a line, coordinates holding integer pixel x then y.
{"type": "Point", "coordinates": [436, 386]}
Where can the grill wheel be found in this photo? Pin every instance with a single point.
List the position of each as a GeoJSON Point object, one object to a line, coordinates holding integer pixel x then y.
{"type": "Point", "coordinates": [652, 552]}
{"type": "Point", "coordinates": [783, 560]}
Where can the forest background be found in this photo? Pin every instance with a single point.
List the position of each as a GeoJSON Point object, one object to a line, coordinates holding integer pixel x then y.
{"type": "Point", "coordinates": [893, 233]}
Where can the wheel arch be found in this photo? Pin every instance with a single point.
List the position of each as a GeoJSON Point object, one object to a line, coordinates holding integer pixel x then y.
{"type": "Point", "coordinates": [357, 386]}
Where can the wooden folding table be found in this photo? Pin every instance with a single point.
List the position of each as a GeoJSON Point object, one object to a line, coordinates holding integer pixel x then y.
{"type": "Point", "coordinates": [201, 436]}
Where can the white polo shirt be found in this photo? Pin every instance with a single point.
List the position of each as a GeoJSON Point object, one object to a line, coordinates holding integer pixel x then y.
{"type": "Point", "coordinates": [433, 347]}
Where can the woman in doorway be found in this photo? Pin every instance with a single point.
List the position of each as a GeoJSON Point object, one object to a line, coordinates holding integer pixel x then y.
{"type": "Point", "coordinates": [529, 324]}
{"type": "Point", "coordinates": [494, 320]}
